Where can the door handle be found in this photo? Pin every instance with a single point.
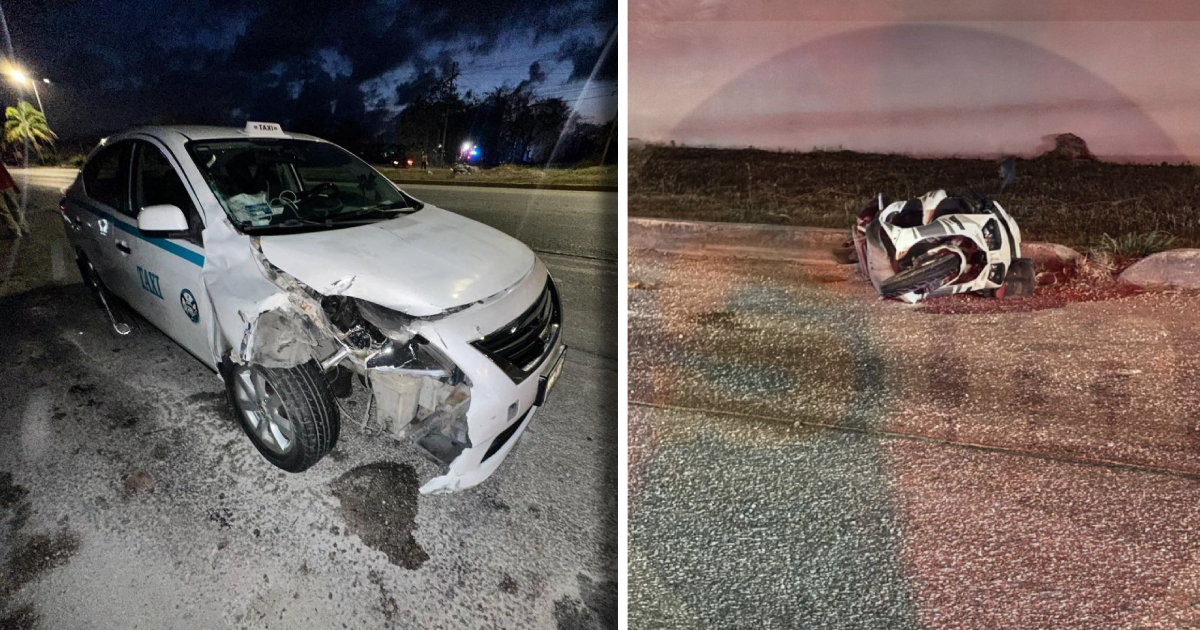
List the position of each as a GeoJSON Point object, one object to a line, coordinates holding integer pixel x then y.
{"type": "Point", "coordinates": [124, 247]}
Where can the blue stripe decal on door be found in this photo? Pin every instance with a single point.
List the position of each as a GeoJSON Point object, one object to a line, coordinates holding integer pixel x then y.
{"type": "Point", "coordinates": [195, 258]}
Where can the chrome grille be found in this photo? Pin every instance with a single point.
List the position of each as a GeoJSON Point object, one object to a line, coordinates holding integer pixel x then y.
{"type": "Point", "coordinates": [521, 345]}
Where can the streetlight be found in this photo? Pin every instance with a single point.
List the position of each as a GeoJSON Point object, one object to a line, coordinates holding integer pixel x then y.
{"type": "Point", "coordinates": [19, 78]}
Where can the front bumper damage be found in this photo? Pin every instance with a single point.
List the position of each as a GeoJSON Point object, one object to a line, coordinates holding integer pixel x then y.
{"type": "Point", "coordinates": [426, 381]}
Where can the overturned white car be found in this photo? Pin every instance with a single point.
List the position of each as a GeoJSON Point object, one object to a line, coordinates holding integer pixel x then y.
{"type": "Point", "coordinates": [288, 265]}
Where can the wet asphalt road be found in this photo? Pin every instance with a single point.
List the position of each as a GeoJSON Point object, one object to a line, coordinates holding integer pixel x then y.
{"type": "Point", "coordinates": [804, 455]}
{"type": "Point", "coordinates": [129, 497]}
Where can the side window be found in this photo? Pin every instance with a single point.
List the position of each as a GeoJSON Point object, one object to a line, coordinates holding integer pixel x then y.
{"type": "Point", "coordinates": [106, 177]}
{"type": "Point", "coordinates": [156, 182]}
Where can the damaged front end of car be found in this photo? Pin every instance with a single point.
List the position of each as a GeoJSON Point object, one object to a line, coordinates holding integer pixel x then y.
{"type": "Point", "coordinates": [416, 391]}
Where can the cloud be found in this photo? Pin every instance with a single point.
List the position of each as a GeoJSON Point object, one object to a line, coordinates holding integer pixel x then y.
{"type": "Point", "coordinates": [590, 54]}
{"type": "Point", "coordinates": [118, 64]}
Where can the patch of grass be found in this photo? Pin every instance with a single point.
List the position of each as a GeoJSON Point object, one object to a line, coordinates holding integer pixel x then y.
{"type": "Point", "coordinates": [1135, 244]}
{"type": "Point", "coordinates": [511, 174]}
{"type": "Point", "coordinates": [1073, 203]}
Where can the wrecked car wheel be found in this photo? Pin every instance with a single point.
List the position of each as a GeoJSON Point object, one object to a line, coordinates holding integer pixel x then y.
{"type": "Point", "coordinates": [289, 413]}
{"type": "Point", "coordinates": [922, 278]}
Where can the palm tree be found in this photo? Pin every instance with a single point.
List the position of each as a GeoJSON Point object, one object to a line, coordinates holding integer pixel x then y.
{"type": "Point", "coordinates": [26, 122]}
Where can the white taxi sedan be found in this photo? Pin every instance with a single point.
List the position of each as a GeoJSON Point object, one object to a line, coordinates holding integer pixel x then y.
{"type": "Point", "coordinates": [288, 265]}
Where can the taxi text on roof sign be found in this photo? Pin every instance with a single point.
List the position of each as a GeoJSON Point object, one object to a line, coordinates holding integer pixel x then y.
{"type": "Point", "coordinates": [263, 128]}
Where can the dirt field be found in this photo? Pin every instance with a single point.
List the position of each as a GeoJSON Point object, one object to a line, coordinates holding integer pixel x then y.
{"type": "Point", "coordinates": [1075, 203]}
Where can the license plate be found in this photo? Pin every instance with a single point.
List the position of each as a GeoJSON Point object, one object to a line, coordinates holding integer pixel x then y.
{"type": "Point", "coordinates": [546, 381]}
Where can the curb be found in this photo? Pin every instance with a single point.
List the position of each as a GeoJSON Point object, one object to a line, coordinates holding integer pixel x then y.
{"type": "Point", "coordinates": [519, 186]}
{"type": "Point", "coordinates": [774, 242]}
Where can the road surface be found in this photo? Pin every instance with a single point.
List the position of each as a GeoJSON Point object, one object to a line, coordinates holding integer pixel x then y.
{"type": "Point", "coordinates": [130, 498]}
{"type": "Point", "coordinates": [803, 454]}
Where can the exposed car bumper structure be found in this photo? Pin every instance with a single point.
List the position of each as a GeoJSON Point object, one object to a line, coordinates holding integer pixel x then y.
{"type": "Point", "coordinates": [511, 368]}
{"type": "Point", "coordinates": [462, 384]}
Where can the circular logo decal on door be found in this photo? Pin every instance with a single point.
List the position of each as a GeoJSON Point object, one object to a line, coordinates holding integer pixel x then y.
{"type": "Point", "coordinates": [190, 307]}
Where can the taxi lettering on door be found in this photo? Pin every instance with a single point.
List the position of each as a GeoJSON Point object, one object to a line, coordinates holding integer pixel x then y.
{"type": "Point", "coordinates": [150, 282]}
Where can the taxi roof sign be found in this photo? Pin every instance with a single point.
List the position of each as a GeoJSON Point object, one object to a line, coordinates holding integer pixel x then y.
{"type": "Point", "coordinates": [264, 129]}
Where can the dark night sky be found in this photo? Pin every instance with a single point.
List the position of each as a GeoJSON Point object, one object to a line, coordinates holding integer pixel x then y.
{"type": "Point", "coordinates": [117, 64]}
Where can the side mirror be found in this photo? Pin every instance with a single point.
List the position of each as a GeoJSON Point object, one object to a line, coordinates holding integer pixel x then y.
{"type": "Point", "coordinates": [162, 221]}
{"type": "Point", "coordinates": [1008, 172]}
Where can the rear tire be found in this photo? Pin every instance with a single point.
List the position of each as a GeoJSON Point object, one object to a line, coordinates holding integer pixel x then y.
{"type": "Point", "coordinates": [928, 276]}
{"type": "Point", "coordinates": [289, 414]}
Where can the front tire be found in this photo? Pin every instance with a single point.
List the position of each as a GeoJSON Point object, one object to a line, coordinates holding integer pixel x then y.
{"type": "Point", "coordinates": [288, 413]}
{"type": "Point", "coordinates": [928, 276]}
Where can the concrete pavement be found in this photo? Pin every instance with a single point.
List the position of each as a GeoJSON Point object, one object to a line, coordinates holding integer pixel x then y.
{"type": "Point", "coordinates": [130, 498]}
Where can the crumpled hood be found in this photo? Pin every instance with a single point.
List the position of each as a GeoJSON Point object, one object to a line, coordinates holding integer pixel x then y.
{"type": "Point", "coordinates": [420, 264]}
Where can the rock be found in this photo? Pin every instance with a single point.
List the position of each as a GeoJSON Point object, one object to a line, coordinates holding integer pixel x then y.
{"type": "Point", "coordinates": [1173, 269]}
{"type": "Point", "coordinates": [1046, 278]}
{"type": "Point", "coordinates": [1071, 147]}
{"type": "Point", "coordinates": [1050, 256]}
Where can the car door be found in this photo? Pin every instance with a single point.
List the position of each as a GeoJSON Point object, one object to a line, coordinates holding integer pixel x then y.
{"type": "Point", "coordinates": [168, 270]}
{"type": "Point", "coordinates": [99, 214]}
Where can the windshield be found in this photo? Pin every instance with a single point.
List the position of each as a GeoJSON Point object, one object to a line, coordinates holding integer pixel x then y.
{"type": "Point", "coordinates": [275, 184]}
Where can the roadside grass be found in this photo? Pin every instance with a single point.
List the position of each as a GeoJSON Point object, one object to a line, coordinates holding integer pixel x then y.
{"type": "Point", "coordinates": [1135, 245]}
{"type": "Point", "coordinates": [1123, 209]}
{"type": "Point", "coordinates": [511, 174]}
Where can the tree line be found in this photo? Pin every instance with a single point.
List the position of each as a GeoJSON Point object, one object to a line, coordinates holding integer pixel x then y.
{"type": "Point", "coordinates": [509, 125]}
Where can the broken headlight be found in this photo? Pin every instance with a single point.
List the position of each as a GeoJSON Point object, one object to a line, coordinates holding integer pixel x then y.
{"type": "Point", "coordinates": [393, 324]}
{"type": "Point", "coordinates": [414, 355]}
{"type": "Point", "coordinates": [403, 349]}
